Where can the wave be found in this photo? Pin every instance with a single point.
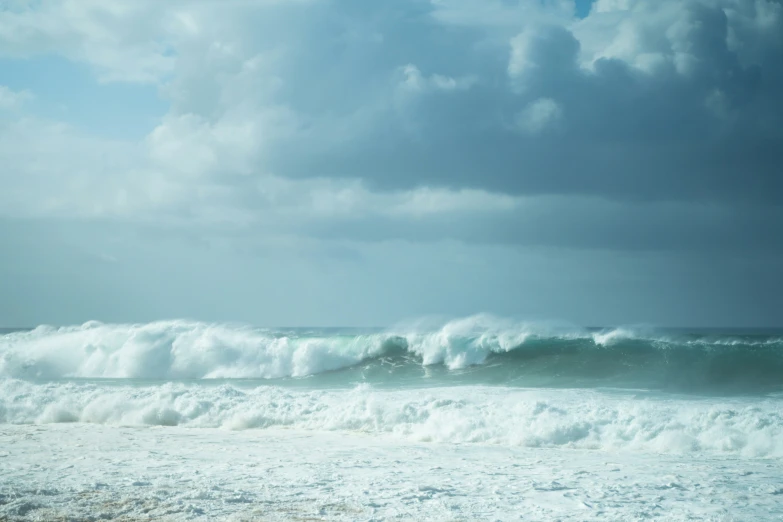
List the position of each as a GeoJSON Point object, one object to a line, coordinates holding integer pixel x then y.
{"type": "Point", "coordinates": [479, 349]}
{"type": "Point", "coordinates": [486, 415]}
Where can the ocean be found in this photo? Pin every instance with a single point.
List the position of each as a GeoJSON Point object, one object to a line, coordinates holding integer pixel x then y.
{"type": "Point", "coordinates": [473, 419]}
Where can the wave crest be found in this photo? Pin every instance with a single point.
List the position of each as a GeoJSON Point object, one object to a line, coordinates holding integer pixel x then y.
{"type": "Point", "coordinates": [176, 350]}
{"type": "Point", "coordinates": [505, 352]}
{"type": "Point", "coordinates": [193, 350]}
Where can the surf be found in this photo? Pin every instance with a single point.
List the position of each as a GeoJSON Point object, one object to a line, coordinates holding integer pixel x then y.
{"type": "Point", "coordinates": [475, 350]}
{"type": "Point", "coordinates": [503, 416]}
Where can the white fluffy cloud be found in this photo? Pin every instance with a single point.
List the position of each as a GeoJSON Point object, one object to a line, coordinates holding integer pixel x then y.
{"type": "Point", "coordinates": [416, 82]}
{"type": "Point", "coordinates": [684, 36]}
{"type": "Point", "coordinates": [184, 173]}
{"type": "Point", "coordinates": [539, 115]}
{"type": "Point", "coordinates": [124, 41]}
{"type": "Point", "coordinates": [10, 99]}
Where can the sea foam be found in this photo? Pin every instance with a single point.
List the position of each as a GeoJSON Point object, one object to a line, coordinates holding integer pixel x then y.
{"type": "Point", "coordinates": [505, 416]}
{"type": "Point", "coordinates": [175, 350]}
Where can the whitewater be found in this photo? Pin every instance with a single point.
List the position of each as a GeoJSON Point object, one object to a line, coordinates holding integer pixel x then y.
{"type": "Point", "coordinates": [479, 418]}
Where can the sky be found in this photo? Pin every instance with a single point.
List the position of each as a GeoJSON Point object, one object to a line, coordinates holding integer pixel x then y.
{"type": "Point", "coordinates": [346, 162]}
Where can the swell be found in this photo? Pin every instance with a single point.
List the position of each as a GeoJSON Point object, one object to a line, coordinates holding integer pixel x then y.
{"type": "Point", "coordinates": [476, 350]}
{"type": "Point", "coordinates": [675, 365]}
{"type": "Point", "coordinates": [572, 363]}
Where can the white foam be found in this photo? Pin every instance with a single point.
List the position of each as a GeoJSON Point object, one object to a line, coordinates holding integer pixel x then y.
{"type": "Point", "coordinates": [175, 350]}
{"type": "Point", "coordinates": [464, 342]}
{"type": "Point", "coordinates": [611, 337]}
{"type": "Point", "coordinates": [487, 415]}
{"type": "Point", "coordinates": [79, 472]}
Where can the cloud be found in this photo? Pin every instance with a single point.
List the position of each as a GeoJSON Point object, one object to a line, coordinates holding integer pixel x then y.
{"type": "Point", "coordinates": [414, 81]}
{"type": "Point", "coordinates": [683, 110]}
{"type": "Point", "coordinates": [499, 15]}
{"type": "Point", "coordinates": [191, 173]}
{"type": "Point", "coordinates": [539, 115]}
{"type": "Point", "coordinates": [123, 41]}
{"type": "Point", "coordinates": [360, 161]}
{"type": "Point", "coordinates": [452, 118]}
{"type": "Point", "coordinates": [548, 52]}
{"type": "Point", "coordinates": [54, 171]}
{"type": "Point", "coordinates": [10, 99]}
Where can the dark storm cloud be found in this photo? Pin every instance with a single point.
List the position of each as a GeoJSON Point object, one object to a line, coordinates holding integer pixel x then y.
{"type": "Point", "coordinates": [702, 124]}
{"type": "Point", "coordinates": [588, 223]}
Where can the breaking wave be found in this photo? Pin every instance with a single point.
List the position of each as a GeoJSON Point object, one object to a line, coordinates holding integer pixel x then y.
{"type": "Point", "coordinates": [474, 380]}
{"type": "Point", "coordinates": [475, 350]}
